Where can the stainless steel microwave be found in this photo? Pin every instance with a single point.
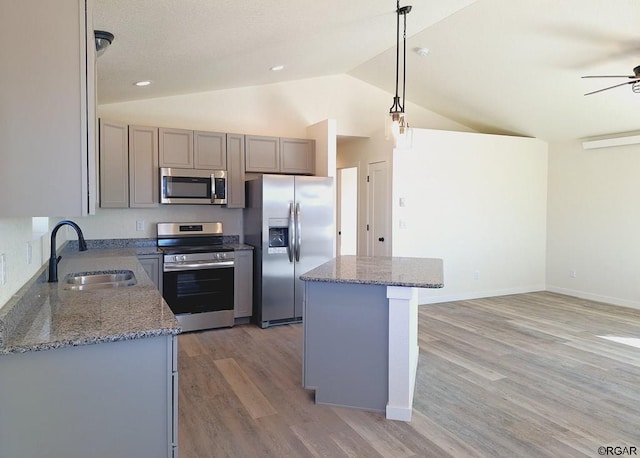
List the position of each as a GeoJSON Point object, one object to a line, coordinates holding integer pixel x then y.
{"type": "Point", "coordinates": [193, 186]}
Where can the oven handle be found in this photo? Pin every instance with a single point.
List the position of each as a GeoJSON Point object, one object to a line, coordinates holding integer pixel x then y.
{"type": "Point", "coordinates": [197, 266]}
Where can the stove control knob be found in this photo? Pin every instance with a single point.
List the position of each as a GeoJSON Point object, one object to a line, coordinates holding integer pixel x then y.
{"type": "Point", "coordinates": [218, 255]}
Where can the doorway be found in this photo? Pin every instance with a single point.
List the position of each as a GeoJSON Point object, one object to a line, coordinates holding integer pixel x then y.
{"type": "Point", "coordinates": [347, 226]}
{"type": "Point", "coordinates": [378, 214]}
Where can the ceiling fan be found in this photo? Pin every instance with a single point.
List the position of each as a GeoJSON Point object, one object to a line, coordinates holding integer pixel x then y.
{"type": "Point", "coordinates": [634, 81]}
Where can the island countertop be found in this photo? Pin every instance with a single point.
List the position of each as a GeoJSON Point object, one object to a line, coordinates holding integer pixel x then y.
{"type": "Point", "coordinates": [388, 271]}
{"type": "Point", "coordinates": [45, 316]}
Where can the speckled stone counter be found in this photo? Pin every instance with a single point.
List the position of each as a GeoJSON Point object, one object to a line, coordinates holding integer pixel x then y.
{"type": "Point", "coordinates": [43, 316]}
{"type": "Point", "coordinates": [388, 271]}
{"type": "Point", "coordinates": [361, 331]}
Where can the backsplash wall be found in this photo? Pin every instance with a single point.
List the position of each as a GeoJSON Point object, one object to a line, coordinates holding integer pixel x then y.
{"type": "Point", "coordinates": [15, 235]}
{"type": "Point", "coordinates": [121, 223]}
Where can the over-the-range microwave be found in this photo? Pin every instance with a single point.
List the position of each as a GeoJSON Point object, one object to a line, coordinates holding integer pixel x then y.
{"type": "Point", "coordinates": [193, 186]}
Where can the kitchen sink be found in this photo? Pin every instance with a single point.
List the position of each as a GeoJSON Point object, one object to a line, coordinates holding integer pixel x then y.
{"type": "Point", "coordinates": [103, 279]}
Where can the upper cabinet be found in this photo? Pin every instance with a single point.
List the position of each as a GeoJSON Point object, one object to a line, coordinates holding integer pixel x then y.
{"type": "Point", "coordinates": [210, 150]}
{"type": "Point", "coordinates": [128, 165]}
{"type": "Point", "coordinates": [297, 156]}
{"type": "Point", "coordinates": [176, 148]}
{"type": "Point", "coordinates": [187, 149]}
{"type": "Point", "coordinates": [47, 95]}
{"type": "Point", "coordinates": [144, 190]}
{"type": "Point", "coordinates": [262, 154]}
{"type": "Point", "coordinates": [279, 155]}
{"type": "Point", "coordinates": [235, 171]}
{"type": "Point", "coordinates": [114, 165]}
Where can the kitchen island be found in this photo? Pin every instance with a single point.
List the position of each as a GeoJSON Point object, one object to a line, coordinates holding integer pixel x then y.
{"type": "Point", "coordinates": [88, 373]}
{"type": "Point", "coordinates": [361, 331]}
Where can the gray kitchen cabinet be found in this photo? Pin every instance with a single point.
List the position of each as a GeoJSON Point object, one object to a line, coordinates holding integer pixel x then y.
{"type": "Point", "coordinates": [144, 189]}
{"type": "Point", "coordinates": [128, 166]}
{"type": "Point", "coordinates": [294, 156]}
{"type": "Point", "coordinates": [209, 150]}
{"type": "Point", "coordinates": [297, 156]}
{"type": "Point", "coordinates": [262, 154]}
{"type": "Point", "coordinates": [176, 148]}
{"type": "Point", "coordinates": [108, 399]}
{"type": "Point", "coordinates": [243, 283]}
{"type": "Point", "coordinates": [235, 171]}
{"type": "Point", "coordinates": [152, 264]}
{"type": "Point", "coordinates": [48, 128]}
{"type": "Point", "coordinates": [114, 164]}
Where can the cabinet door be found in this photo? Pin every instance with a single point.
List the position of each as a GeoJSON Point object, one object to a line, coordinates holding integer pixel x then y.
{"type": "Point", "coordinates": [144, 189]}
{"type": "Point", "coordinates": [176, 148]}
{"type": "Point", "coordinates": [210, 150]}
{"type": "Point", "coordinates": [46, 99]}
{"type": "Point", "coordinates": [114, 165]}
{"type": "Point", "coordinates": [243, 283]}
{"type": "Point", "coordinates": [235, 171]}
{"type": "Point", "coordinates": [152, 264]}
{"type": "Point", "coordinates": [297, 156]}
{"type": "Point", "coordinates": [262, 154]}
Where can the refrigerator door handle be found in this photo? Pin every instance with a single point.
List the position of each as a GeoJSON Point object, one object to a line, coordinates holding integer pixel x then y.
{"type": "Point", "coordinates": [298, 232]}
{"type": "Point", "coordinates": [291, 244]}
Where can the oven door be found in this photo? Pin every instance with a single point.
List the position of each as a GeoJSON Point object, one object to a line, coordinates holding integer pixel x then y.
{"type": "Point", "coordinates": [199, 290]}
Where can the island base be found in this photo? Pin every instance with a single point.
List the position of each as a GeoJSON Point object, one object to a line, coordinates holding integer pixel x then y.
{"type": "Point", "coordinates": [360, 346]}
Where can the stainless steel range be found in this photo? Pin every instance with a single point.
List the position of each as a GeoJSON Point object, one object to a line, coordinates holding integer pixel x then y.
{"type": "Point", "coordinates": [197, 274]}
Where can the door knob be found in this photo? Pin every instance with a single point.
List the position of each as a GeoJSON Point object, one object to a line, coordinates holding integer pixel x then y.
{"type": "Point", "coordinates": [380, 239]}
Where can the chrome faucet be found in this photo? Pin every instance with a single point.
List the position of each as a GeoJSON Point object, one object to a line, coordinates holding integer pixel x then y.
{"type": "Point", "coordinates": [54, 259]}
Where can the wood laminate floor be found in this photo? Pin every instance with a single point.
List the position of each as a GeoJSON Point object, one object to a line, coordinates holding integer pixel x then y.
{"type": "Point", "coordinates": [527, 375]}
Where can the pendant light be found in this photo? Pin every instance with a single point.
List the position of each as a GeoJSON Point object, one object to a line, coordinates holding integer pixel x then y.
{"type": "Point", "coordinates": [397, 125]}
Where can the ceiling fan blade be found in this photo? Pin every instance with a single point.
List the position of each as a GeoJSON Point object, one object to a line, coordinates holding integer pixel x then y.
{"type": "Point", "coordinates": [608, 76]}
{"type": "Point", "coordinates": [611, 87]}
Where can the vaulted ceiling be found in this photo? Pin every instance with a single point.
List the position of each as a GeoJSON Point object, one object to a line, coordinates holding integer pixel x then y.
{"type": "Point", "coordinates": [498, 66]}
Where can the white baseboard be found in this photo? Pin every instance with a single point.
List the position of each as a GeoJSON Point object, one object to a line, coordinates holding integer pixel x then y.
{"type": "Point", "coordinates": [594, 297]}
{"type": "Point", "coordinates": [424, 299]}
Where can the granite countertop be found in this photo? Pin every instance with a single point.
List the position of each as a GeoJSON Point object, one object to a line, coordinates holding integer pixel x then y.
{"type": "Point", "coordinates": [44, 316]}
{"type": "Point", "coordinates": [388, 271]}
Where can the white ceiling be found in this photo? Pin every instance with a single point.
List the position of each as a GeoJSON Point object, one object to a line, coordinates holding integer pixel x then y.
{"type": "Point", "coordinates": [499, 66]}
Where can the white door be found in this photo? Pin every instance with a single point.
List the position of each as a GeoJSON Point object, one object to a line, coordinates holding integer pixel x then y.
{"type": "Point", "coordinates": [347, 211]}
{"type": "Point", "coordinates": [378, 234]}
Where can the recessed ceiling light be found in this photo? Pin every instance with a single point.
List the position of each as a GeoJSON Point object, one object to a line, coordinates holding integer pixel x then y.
{"type": "Point", "coordinates": [142, 83]}
{"type": "Point", "coordinates": [422, 51]}
{"type": "Point", "coordinates": [277, 68]}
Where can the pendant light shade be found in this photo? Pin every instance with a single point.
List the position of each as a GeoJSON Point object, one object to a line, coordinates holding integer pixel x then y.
{"type": "Point", "coordinates": [397, 125]}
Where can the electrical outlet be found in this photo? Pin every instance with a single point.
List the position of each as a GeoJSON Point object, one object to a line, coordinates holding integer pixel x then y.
{"type": "Point", "coordinates": [476, 275]}
{"type": "Point", "coordinates": [572, 273]}
{"type": "Point", "coordinates": [403, 202]}
{"type": "Point", "coordinates": [140, 225]}
{"type": "Point", "coordinates": [29, 253]}
{"type": "Point", "coordinates": [3, 269]}
{"type": "Point", "coordinates": [402, 224]}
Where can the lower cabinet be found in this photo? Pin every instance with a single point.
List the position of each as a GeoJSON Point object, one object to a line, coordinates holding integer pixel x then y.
{"type": "Point", "coordinates": [108, 399]}
{"type": "Point", "coordinates": [152, 264]}
{"type": "Point", "coordinates": [243, 284]}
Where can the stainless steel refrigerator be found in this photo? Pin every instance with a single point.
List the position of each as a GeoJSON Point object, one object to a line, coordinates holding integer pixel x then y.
{"type": "Point", "coordinates": [290, 222]}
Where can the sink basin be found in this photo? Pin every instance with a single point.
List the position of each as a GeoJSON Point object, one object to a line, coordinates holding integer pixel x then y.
{"type": "Point", "coordinates": [104, 279]}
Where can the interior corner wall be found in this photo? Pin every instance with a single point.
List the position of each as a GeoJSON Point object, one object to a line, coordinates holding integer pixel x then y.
{"type": "Point", "coordinates": [593, 239]}
{"type": "Point", "coordinates": [325, 135]}
{"type": "Point", "coordinates": [477, 201]}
